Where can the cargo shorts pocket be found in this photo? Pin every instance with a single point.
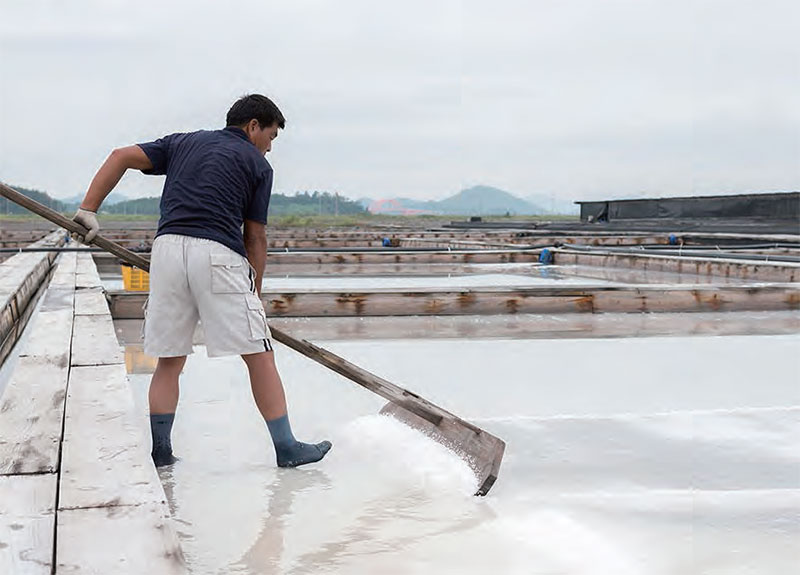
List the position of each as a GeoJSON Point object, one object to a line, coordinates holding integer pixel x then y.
{"type": "Point", "coordinates": [144, 315]}
{"type": "Point", "coordinates": [229, 274]}
{"type": "Point", "coordinates": [256, 317]}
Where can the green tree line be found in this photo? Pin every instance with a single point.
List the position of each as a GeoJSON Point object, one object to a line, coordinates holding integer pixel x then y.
{"type": "Point", "coordinates": [311, 203]}
{"type": "Point", "coordinates": [8, 207]}
{"type": "Point", "coordinates": [302, 204]}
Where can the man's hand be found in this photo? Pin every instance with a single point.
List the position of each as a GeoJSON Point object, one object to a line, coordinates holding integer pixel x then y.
{"type": "Point", "coordinates": [255, 245]}
{"type": "Point", "coordinates": [88, 220]}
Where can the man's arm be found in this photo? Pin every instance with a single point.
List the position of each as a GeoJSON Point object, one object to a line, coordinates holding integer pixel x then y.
{"type": "Point", "coordinates": [255, 244]}
{"type": "Point", "coordinates": [103, 182]}
{"type": "Point", "coordinates": [110, 173]}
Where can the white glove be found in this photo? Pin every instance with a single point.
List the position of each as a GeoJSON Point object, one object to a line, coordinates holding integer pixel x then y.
{"type": "Point", "coordinates": [89, 221]}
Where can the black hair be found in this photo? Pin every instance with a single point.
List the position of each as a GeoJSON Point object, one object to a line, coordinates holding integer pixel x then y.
{"type": "Point", "coordinates": [255, 106]}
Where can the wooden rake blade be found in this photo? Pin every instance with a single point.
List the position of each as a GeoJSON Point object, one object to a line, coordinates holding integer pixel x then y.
{"type": "Point", "coordinates": [482, 451]}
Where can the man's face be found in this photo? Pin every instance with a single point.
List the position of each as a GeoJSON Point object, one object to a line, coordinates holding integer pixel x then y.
{"type": "Point", "coordinates": [261, 137]}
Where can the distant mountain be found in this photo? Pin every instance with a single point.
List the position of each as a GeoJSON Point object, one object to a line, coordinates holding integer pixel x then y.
{"type": "Point", "coordinates": [76, 199]}
{"type": "Point", "coordinates": [486, 201]}
{"type": "Point", "coordinates": [313, 203]}
{"type": "Point", "coordinates": [474, 201]}
{"type": "Point", "coordinates": [114, 197]}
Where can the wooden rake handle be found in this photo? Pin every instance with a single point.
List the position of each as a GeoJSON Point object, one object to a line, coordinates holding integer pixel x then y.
{"type": "Point", "coordinates": [482, 450]}
{"type": "Point", "coordinates": [372, 382]}
{"type": "Point", "coordinates": [72, 227]}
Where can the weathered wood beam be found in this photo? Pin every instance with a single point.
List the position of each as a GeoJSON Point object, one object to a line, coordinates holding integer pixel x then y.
{"type": "Point", "coordinates": [477, 301]}
{"type": "Point", "coordinates": [105, 461]}
{"type": "Point", "coordinates": [112, 515]}
{"type": "Point", "coordinates": [31, 412]}
{"type": "Point", "coordinates": [119, 539]}
{"type": "Point", "coordinates": [21, 279]}
{"type": "Point", "coordinates": [518, 326]}
{"type": "Point", "coordinates": [31, 419]}
{"type": "Point", "coordinates": [91, 301]}
{"type": "Point", "coordinates": [697, 266]}
{"type": "Point", "coordinates": [383, 257]}
{"type": "Point", "coordinates": [68, 427]}
{"type": "Point", "coordinates": [281, 270]}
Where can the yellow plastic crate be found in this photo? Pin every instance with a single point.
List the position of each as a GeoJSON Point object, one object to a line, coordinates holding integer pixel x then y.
{"type": "Point", "coordinates": [135, 279]}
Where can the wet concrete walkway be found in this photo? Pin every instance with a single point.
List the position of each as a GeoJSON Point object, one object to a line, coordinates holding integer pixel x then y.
{"type": "Point", "coordinates": [78, 492]}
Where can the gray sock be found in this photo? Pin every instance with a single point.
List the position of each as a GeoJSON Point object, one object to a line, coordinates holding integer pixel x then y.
{"type": "Point", "coordinates": [288, 451]}
{"type": "Point", "coordinates": [161, 430]}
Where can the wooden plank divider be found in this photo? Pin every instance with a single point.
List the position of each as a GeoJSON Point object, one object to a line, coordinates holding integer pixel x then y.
{"type": "Point", "coordinates": [51, 333]}
{"type": "Point", "coordinates": [784, 272]}
{"type": "Point", "coordinates": [394, 257]}
{"type": "Point", "coordinates": [21, 279]}
{"type": "Point", "coordinates": [112, 515]}
{"type": "Point", "coordinates": [91, 301]}
{"type": "Point", "coordinates": [94, 341]}
{"type": "Point", "coordinates": [70, 378]}
{"type": "Point", "coordinates": [118, 540]}
{"type": "Point", "coordinates": [30, 416]}
{"type": "Point", "coordinates": [105, 461]}
{"type": "Point", "coordinates": [508, 300]}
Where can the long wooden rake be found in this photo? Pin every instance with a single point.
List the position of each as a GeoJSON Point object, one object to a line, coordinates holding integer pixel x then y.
{"type": "Point", "coordinates": [479, 448]}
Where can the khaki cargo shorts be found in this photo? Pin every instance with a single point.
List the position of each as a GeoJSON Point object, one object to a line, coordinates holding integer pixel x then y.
{"type": "Point", "coordinates": [195, 279]}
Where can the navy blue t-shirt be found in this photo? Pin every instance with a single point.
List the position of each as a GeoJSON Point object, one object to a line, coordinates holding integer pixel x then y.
{"type": "Point", "coordinates": [215, 181]}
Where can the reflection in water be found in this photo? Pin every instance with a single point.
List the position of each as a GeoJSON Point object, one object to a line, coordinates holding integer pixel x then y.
{"type": "Point", "coordinates": [327, 521]}
{"type": "Point", "coordinates": [137, 362]}
{"type": "Point", "coordinates": [547, 273]}
{"type": "Point", "coordinates": [168, 483]}
{"type": "Point", "coordinates": [374, 531]}
{"type": "Point", "coordinates": [264, 556]}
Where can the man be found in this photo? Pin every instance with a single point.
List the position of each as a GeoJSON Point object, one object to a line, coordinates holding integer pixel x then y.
{"type": "Point", "coordinates": [207, 262]}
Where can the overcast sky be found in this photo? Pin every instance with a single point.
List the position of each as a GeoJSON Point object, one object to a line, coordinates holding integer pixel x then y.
{"type": "Point", "coordinates": [580, 99]}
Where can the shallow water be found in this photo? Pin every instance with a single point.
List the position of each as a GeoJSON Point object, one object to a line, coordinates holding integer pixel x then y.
{"type": "Point", "coordinates": [625, 456]}
{"type": "Point", "coordinates": [535, 277]}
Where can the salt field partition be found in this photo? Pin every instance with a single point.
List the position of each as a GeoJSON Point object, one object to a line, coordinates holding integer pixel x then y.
{"type": "Point", "coordinates": [385, 282]}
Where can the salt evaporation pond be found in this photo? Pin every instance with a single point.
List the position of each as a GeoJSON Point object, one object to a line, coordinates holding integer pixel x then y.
{"type": "Point", "coordinates": [626, 456]}
{"type": "Point", "coordinates": [421, 282]}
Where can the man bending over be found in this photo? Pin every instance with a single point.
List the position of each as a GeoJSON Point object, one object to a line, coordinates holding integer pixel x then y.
{"type": "Point", "coordinates": [207, 262]}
